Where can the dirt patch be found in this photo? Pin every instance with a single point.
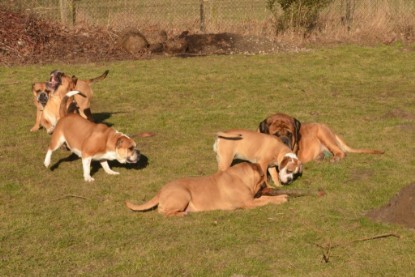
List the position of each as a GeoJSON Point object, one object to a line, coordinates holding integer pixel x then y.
{"type": "Point", "coordinates": [25, 39]}
{"type": "Point", "coordinates": [398, 113]}
{"type": "Point", "coordinates": [400, 209]}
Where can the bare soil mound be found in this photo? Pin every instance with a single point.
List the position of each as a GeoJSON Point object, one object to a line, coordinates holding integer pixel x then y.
{"type": "Point", "coordinates": [25, 39]}
{"type": "Point", "coordinates": [400, 209]}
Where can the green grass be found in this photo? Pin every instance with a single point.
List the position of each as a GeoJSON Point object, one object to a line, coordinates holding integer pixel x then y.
{"type": "Point", "coordinates": [364, 94]}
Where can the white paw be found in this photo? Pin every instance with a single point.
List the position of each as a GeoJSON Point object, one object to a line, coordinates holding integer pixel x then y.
{"type": "Point", "coordinates": [46, 163]}
{"type": "Point", "coordinates": [89, 179]}
{"type": "Point", "coordinates": [113, 172]}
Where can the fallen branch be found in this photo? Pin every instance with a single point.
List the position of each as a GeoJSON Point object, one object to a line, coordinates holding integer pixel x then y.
{"type": "Point", "coordinates": [327, 248]}
{"type": "Point", "coordinates": [291, 193]}
{"type": "Point", "coordinates": [71, 195]}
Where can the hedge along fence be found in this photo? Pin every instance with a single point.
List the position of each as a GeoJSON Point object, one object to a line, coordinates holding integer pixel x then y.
{"type": "Point", "coordinates": [336, 19]}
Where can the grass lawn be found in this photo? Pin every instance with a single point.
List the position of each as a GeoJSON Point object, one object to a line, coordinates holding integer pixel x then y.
{"type": "Point", "coordinates": [52, 223]}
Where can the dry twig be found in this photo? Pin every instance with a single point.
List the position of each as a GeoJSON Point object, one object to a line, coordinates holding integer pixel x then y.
{"type": "Point", "coordinates": [327, 248]}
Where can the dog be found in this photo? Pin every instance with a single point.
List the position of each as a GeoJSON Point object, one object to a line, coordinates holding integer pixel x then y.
{"type": "Point", "coordinates": [41, 94]}
{"type": "Point", "coordinates": [234, 188]}
{"type": "Point", "coordinates": [310, 141]}
{"type": "Point", "coordinates": [268, 151]}
{"type": "Point", "coordinates": [90, 141]}
{"type": "Point", "coordinates": [59, 84]}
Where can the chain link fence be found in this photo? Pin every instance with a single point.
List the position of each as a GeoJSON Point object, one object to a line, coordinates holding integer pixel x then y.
{"type": "Point", "coordinates": [212, 16]}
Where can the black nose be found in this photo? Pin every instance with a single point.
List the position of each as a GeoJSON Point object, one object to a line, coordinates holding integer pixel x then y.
{"type": "Point", "coordinates": [42, 98]}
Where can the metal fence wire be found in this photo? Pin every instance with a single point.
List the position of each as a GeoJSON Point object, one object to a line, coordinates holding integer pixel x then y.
{"type": "Point", "coordinates": [212, 16]}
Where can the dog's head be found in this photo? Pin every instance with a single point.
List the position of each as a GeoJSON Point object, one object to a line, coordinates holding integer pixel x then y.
{"type": "Point", "coordinates": [289, 168]}
{"type": "Point", "coordinates": [126, 149]}
{"type": "Point", "coordinates": [59, 80]}
{"type": "Point", "coordinates": [41, 94]}
{"type": "Point", "coordinates": [285, 127]}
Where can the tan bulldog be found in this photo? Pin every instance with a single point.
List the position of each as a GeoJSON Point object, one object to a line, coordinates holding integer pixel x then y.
{"type": "Point", "coordinates": [234, 188]}
{"type": "Point", "coordinates": [90, 141]}
{"type": "Point", "coordinates": [268, 151]}
{"type": "Point", "coordinates": [59, 85]}
{"type": "Point", "coordinates": [309, 140]}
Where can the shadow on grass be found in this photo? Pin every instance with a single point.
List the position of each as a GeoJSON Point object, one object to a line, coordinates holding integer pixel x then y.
{"type": "Point", "coordinates": [101, 117]}
{"type": "Point", "coordinates": [142, 163]}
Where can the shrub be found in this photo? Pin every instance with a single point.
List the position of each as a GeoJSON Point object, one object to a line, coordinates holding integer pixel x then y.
{"type": "Point", "coordinates": [296, 14]}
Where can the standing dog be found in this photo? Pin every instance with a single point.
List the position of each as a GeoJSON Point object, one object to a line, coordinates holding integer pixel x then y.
{"type": "Point", "coordinates": [41, 94]}
{"type": "Point", "coordinates": [311, 139]}
{"type": "Point", "coordinates": [59, 84]}
{"type": "Point", "coordinates": [90, 141]}
{"type": "Point", "coordinates": [234, 188]}
{"type": "Point", "coordinates": [268, 151]}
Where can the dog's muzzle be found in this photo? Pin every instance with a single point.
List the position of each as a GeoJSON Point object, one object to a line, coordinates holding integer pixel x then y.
{"type": "Point", "coordinates": [286, 141]}
{"type": "Point", "coordinates": [42, 98]}
{"type": "Point", "coordinates": [134, 158]}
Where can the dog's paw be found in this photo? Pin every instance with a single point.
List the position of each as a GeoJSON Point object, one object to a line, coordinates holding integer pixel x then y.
{"type": "Point", "coordinates": [89, 179]}
{"type": "Point", "coordinates": [114, 173]}
{"type": "Point", "coordinates": [284, 198]}
{"type": "Point", "coordinates": [46, 163]}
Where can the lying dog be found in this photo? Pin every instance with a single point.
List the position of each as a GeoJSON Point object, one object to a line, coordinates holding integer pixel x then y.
{"type": "Point", "coordinates": [268, 151]}
{"type": "Point", "coordinates": [41, 94]}
{"type": "Point", "coordinates": [90, 141]}
{"type": "Point", "coordinates": [58, 85]}
{"type": "Point", "coordinates": [231, 189]}
{"type": "Point", "coordinates": [310, 141]}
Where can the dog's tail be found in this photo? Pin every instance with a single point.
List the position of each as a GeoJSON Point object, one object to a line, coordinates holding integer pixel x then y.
{"type": "Point", "coordinates": [143, 207]}
{"type": "Point", "coordinates": [99, 78]}
{"type": "Point", "coordinates": [223, 135]}
{"type": "Point", "coordinates": [349, 149]}
{"type": "Point", "coordinates": [63, 110]}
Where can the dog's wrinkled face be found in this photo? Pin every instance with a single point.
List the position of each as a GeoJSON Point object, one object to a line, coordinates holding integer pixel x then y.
{"type": "Point", "coordinates": [41, 93]}
{"type": "Point", "coordinates": [284, 127]}
{"type": "Point", "coordinates": [290, 168]}
{"type": "Point", "coordinates": [126, 150]}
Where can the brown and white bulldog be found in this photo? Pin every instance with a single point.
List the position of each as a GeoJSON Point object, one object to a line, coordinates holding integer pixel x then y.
{"type": "Point", "coordinates": [268, 151]}
{"type": "Point", "coordinates": [41, 94]}
{"type": "Point", "coordinates": [90, 141]}
{"type": "Point", "coordinates": [309, 140]}
{"type": "Point", "coordinates": [59, 84]}
{"type": "Point", "coordinates": [234, 188]}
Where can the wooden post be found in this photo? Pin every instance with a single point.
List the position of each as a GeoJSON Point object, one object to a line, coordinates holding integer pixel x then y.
{"type": "Point", "coordinates": [74, 12]}
{"type": "Point", "coordinates": [349, 17]}
{"type": "Point", "coordinates": [202, 16]}
{"type": "Point", "coordinates": [63, 6]}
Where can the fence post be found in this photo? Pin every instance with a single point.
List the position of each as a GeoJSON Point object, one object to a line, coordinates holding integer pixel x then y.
{"type": "Point", "coordinates": [63, 6]}
{"type": "Point", "coordinates": [349, 18]}
{"type": "Point", "coordinates": [202, 16]}
{"type": "Point", "coordinates": [74, 12]}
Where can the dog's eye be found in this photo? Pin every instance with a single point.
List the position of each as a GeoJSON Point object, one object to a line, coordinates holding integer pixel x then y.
{"type": "Point", "coordinates": [131, 148]}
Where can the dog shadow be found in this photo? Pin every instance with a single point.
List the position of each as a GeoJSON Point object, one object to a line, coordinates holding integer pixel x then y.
{"type": "Point", "coordinates": [95, 166]}
{"type": "Point", "coordinates": [142, 163]}
{"type": "Point", "coordinates": [101, 117]}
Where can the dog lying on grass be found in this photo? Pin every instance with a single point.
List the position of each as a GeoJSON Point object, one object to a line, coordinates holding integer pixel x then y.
{"type": "Point", "coordinates": [234, 188]}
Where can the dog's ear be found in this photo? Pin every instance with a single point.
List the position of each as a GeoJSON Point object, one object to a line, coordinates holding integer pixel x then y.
{"type": "Point", "coordinates": [263, 127]}
{"type": "Point", "coordinates": [120, 141]}
{"type": "Point", "coordinates": [74, 80]}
